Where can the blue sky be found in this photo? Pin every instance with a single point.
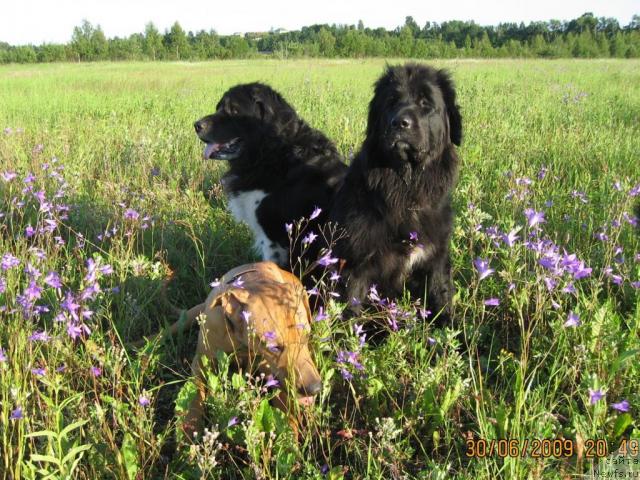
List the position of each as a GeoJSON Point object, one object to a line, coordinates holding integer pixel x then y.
{"type": "Point", "coordinates": [37, 21]}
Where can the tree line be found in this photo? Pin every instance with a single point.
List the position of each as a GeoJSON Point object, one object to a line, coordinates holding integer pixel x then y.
{"type": "Point", "coordinates": [586, 36]}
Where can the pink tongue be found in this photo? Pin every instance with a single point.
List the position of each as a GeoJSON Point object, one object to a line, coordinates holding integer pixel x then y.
{"type": "Point", "coordinates": [210, 149]}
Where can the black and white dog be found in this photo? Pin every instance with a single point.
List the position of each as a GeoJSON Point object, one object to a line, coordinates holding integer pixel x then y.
{"type": "Point", "coordinates": [395, 203]}
{"type": "Point", "coordinates": [280, 169]}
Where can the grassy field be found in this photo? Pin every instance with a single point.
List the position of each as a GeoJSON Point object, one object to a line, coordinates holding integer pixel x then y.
{"type": "Point", "coordinates": [110, 195]}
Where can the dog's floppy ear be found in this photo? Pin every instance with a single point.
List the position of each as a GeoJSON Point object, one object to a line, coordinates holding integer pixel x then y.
{"type": "Point", "coordinates": [233, 303]}
{"type": "Point", "coordinates": [263, 108]}
{"type": "Point", "coordinates": [453, 110]}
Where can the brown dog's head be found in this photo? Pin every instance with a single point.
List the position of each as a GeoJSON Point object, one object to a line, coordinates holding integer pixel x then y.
{"type": "Point", "coordinates": [272, 320]}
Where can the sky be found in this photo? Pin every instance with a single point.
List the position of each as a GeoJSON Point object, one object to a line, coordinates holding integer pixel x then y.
{"type": "Point", "coordinates": [45, 21]}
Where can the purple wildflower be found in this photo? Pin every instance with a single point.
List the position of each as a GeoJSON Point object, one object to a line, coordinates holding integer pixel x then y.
{"type": "Point", "coordinates": [74, 330]}
{"type": "Point", "coordinates": [39, 372]}
{"type": "Point", "coordinates": [492, 302]}
{"type": "Point", "coordinates": [271, 338]}
{"type": "Point", "coordinates": [33, 292]}
{"type": "Point", "coordinates": [327, 259]}
{"type": "Point", "coordinates": [288, 227]}
{"type": "Point", "coordinates": [131, 214]}
{"type": "Point", "coordinates": [413, 236]}
{"type": "Point", "coordinates": [622, 406]}
{"type": "Point", "coordinates": [271, 382]}
{"type": "Point", "coordinates": [3, 355]}
{"type": "Point", "coordinates": [144, 401]}
{"type": "Point", "coordinates": [9, 261]}
{"type": "Point", "coordinates": [543, 172]}
{"type": "Point", "coordinates": [309, 239]}
{"type": "Point", "coordinates": [595, 396]}
{"type": "Point", "coordinates": [533, 217]}
{"type": "Point", "coordinates": [232, 421]}
{"type": "Point", "coordinates": [321, 315]}
{"type": "Point", "coordinates": [346, 374]}
{"type": "Point", "coordinates": [69, 304]}
{"type": "Point", "coordinates": [40, 336]}
{"type": "Point", "coordinates": [573, 320]}
{"type": "Point", "coordinates": [238, 282]}
{"type": "Point", "coordinates": [483, 268]}
{"type": "Point", "coordinates": [373, 293]}
{"type": "Point", "coordinates": [96, 371]}
{"type": "Point", "coordinates": [316, 213]}
{"type": "Point", "coordinates": [245, 316]}
{"type": "Point", "coordinates": [53, 280]}
{"type": "Point", "coordinates": [335, 276]}
{"type": "Point", "coordinates": [510, 238]}
{"type": "Point", "coordinates": [17, 414]}
{"type": "Point", "coordinates": [215, 283]}
{"type": "Point", "coordinates": [105, 269]}
{"type": "Point", "coordinates": [8, 176]}
{"type": "Point", "coordinates": [360, 333]}
{"type": "Point", "coordinates": [580, 195]}
{"type": "Point", "coordinates": [550, 283]}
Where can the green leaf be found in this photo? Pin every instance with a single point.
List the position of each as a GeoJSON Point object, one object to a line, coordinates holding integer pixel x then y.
{"type": "Point", "coordinates": [263, 417]}
{"type": "Point", "coordinates": [130, 455]}
{"type": "Point", "coordinates": [42, 433]}
{"type": "Point", "coordinates": [237, 382]}
{"type": "Point", "coordinates": [336, 473]}
{"type": "Point", "coordinates": [622, 423]}
{"type": "Point", "coordinates": [72, 426]}
{"type": "Point", "coordinates": [45, 458]}
{"type": "Point", "coordinates": [185, 396]}
{"type": "Point", "coordinates": [624, 356]}
{"type": "Point", "coordinates": [73, 452]}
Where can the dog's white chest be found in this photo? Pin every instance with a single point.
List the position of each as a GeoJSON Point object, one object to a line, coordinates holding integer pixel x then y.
{"type": "Point", "coordinates": [417, 255]}
{"type": "Point", "coordinates": [243, 206]}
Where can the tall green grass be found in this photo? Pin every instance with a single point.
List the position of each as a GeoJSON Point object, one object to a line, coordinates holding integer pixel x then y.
{"type": "Point", "coordinates": [559, 137]}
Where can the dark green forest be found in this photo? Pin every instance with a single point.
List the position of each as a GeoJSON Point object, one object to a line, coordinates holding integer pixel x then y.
{"type": "Point", "coordinates": [584, 37]}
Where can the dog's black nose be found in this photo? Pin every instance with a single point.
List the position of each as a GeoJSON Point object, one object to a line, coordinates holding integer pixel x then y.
{"type": "Point", "coordinates": [310, 390]}
{"type": "Point", "coordinates": [199, 126]}
{"type": "Point", "coordinates": [401, 121]}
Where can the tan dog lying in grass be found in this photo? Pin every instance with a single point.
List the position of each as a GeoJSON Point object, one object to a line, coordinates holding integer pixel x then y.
{"type": "Point", "coordinates": [261, 313]}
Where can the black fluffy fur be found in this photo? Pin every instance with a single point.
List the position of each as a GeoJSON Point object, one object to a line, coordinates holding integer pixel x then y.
{"type": "Point", "coordinates": [400, 182]}
{"type": "Point", "coordinates": [297, 166]}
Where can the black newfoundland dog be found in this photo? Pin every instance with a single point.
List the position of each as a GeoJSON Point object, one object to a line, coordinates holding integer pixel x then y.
{"type": "Point", "coordinates": [280, 169]}
{"type": "Point", "coordinates": [395, 203]}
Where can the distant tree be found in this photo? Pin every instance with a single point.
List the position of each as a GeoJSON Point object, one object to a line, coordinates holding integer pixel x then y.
{"type": "Point", "coordinates": [176, 41]}
{"type": "Point", "coordinates": [81, 40]}
{"type": "Point", "coordinates": [585, 36]}
{"type": "Point", "coordinates": [152, 43]}
{"type": "Point", "coordinates": [406, 42]}
{"type": "Point", "coordinates": [50, 52]}
{"type": "Point", "coordinates": [238, 47]}
{"type": "Point", "coordinates": [411, 24]}
{"type": "Point", "coordinates": [326, 43]}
